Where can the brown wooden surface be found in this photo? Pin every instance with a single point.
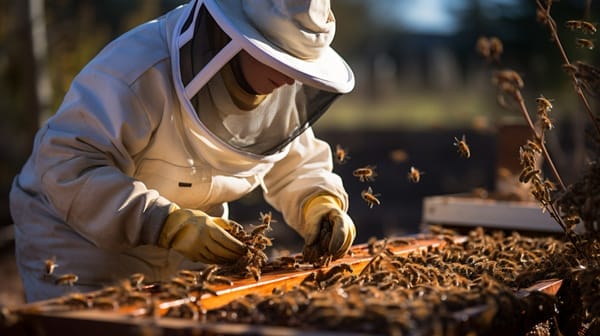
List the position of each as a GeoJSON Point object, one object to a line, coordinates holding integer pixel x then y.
{"type": "Point", "coordinates": [285, 280]}
{"type": "Point", "coordinates": [51, 320]}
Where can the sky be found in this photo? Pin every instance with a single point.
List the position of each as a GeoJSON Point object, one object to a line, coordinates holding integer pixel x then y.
{"type": "Point", "coordinates": [428, 16]}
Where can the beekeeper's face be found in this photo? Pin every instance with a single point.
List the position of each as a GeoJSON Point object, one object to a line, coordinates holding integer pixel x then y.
{"type": "Point", "coordinates": [261, 78]}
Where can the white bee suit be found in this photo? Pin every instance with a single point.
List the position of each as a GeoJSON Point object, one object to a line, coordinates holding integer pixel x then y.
{"type": "Point", "coordinates": [124, 145]}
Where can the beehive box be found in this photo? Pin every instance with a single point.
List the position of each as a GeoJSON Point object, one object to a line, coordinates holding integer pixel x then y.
{"type": "Point", "coordinates": [469, 211]}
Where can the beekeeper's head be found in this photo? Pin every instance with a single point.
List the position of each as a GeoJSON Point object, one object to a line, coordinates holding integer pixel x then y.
{"type": "Point", "coordinates": [259, 72]}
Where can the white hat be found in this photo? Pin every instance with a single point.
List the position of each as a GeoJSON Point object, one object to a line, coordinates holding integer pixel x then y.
{"type": "Point", "coordinates": [291, 36]}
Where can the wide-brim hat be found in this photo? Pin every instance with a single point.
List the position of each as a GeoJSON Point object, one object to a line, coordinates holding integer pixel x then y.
{"type": "Point", "coordinates": [327, 70]}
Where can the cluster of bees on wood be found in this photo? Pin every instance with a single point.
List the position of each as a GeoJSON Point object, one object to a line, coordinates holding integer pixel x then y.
{"type": "Point", "coordinates": [459, 288]}
{"type": "Point", "coordinates": [462, 286]}
{"type": "Point", "coordinates": [256, 242]}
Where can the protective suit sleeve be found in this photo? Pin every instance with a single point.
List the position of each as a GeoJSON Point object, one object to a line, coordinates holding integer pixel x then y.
{"type": "Point", "coordinates": [84, 158]}
{"type": "Point", "coordinates": [306, 170]}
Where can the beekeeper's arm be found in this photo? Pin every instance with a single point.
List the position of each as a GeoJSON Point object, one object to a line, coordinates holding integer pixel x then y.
{"type": "Point", "coordinates": [304, 188]}
{"type": "Point", "coordinates": [84, 160]}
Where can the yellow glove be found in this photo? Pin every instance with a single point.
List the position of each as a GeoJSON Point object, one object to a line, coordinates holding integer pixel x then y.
{"type": "Point", "coordinates": [322, 208]}
{"type": "Point", "coordinates": [200, 237]}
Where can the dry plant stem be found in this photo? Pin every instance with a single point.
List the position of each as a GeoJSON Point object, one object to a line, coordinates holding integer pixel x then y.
{"type": "Point", "coordinates": [554, 34]}
{"type": "Point", "coordinates": [539, 138]}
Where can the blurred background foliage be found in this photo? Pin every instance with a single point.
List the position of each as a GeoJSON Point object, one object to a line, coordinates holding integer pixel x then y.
{"type": "Point", "coordinates": [415, 62]}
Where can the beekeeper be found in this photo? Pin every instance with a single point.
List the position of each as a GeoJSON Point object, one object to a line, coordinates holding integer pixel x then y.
{"type": "Point", "coordinates": [167, 124]}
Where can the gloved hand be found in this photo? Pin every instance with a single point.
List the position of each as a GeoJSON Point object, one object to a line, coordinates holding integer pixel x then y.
{"type": "Point", "coordinates": [323, 208]}
{"type": "Point", "coordinates": [200, 237]}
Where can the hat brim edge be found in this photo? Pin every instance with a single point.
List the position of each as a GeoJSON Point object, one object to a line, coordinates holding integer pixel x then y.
{"type": "Point", "coordinates": [328, 72]}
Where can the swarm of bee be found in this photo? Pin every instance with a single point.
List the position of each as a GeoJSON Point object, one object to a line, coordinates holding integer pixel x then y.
{"type": "Point", "coordinates": [256, 242]}
{"type": "Point", "coordinates": [461, 288]}
{"type": "Point", "coordinates": [318, 253]}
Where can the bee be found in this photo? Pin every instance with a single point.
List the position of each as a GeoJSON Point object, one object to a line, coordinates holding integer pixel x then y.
{"type": "Point", "coordinates": [370, 197]}
{"type": "Point", "coordinates": [585, 43]}
{"type": "Point", "coordinates": [266, 218]}
{"type": "Point", "coordinates": [414, 175]}
{"type": "Point", "coordinates": [189, 276]}
{"type": "Point", "coordinates": [341, 154]}
{"type": "Point", "coordinates": [546, 122]}
{"type": "Point", "coordinates": [50, 265]}
{"type": "Point", "coordinates": [585, 26]}
{"type": "Point", "coordinates": [574, 24]}
{"type": "Point", "coordinates": [137, 280]}
{"type": "Point", "coordinates": [365, 174]}
{"type": "Point", "coordinates": [68, 279]}
{"type": "Point", "coordinates": [527, 174]}
{"type": "Point", "coordinates": [551, 186]}
{"type": "Point", "coordinates": [259, 229]}
{"type": "Point", "coordinates": [587, 76]}
{"type": "Point", "coordinates": [534, 146]}
{"type": "Point", "coordinates": [463, 147]}
{"type": "Point", "coordinates": [588, 27]}
{"type": "Point", "coordinates": [179, 283]}
{"type": "Point", "coordinates": [544, 105]}
{"type": "Point", "coordinates": [254, 271]}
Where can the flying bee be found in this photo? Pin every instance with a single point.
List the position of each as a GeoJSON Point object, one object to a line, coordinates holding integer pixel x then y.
{"type": "Point", "coordinates": [365, 174]}
{"type": "Point", "coordinates": [68, 279]}
{"type": "Point", "coordinates": [137, 280]}
{"type": "Point", "coordinates": [50, 265]}
{"type": "Point", "coordinates": [341, 154]}
{"type": "Point", "coordinates": [414, 175]}
{"type": "Point", "coordinates": [370, 197]}
{"type": "Point", "coordinates": [266, 218]}
{"type": "Point", "coordinates": [585, 43]}
{"type": "Point", "coordinates": [463, 147]}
